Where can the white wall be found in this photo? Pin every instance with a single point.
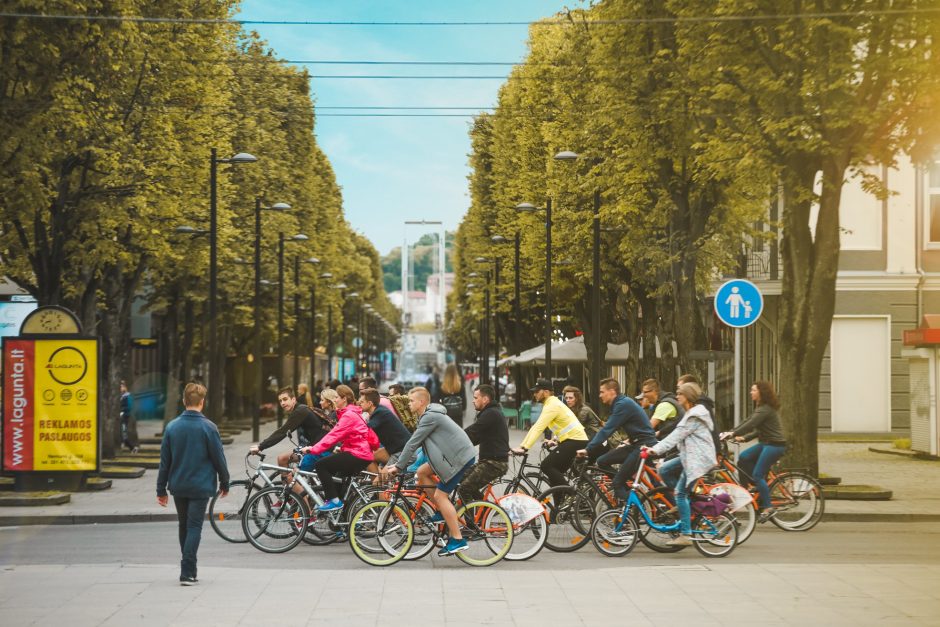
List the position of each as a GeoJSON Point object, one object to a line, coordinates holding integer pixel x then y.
{"type": "Point", "coordinates": [860, 373]}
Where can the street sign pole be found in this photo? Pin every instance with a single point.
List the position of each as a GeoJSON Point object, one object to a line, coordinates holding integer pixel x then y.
{"type": "Point", "coordinates": [737, 377]}
{"type": "Point", "coordinates": [738, 304]}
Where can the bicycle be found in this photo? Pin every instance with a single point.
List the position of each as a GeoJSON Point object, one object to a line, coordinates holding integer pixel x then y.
{"type": "Point", "coordinates": [530, 532]}
{"type": "Point", "coordinates": [615, 531]}
{"type": "Point", "coordinates": [573, 507]}
{"type": "Point", "coordinates": [225, 514]}
{"type": "Point", "coordinates": [795, 495]}
{"type": "Point", "coordinates": [386, 526]}
{"type": "Point", "coordinates": [276, 519]}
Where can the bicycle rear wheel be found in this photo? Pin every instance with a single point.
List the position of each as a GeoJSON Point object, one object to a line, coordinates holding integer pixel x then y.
{"type": "Point", "coordinates": [425, 531]}
{"type": "Point", "coordinates": [275, 522]}
{"type": "Point", "coordinates": [380, 534]}
{"type": "Point", "coordinates": [714, 536]}
{"type": "Point", "coordinates": [225, 513]}
{"type": "Point", "coordinates": [614, 535]}
{"type": "Point", "coordinates": [528, 537]}
{"type": "Point", "coordinates": [799, 501]}
{"type": "Point", "coordinates": [567, 511]}
{"type": "Point", "coordinates": [488, 531]}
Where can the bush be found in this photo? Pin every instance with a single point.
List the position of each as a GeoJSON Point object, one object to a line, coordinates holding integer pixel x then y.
{"type": "Point", "coordinates": [902, 443]}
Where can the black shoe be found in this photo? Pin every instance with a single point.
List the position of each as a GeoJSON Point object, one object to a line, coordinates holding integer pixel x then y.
{"type": "Point", "coordinates": [766, 515]}
{"type": "Point", "coordinates": [188, 581]}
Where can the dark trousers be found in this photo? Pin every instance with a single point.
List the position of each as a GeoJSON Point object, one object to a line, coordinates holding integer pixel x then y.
{"type": "Point", "coordinates": [628, 467]}
{"type": "Point", "coordinates": [338, 463]}
{"type": "Point", "coordinates": [614, 456]}
{"type": "Point", "coordinates": [191, 513]}
{"type": "Point", "coordinates": [559, 461]}
{"type": "Point", "coordinates": [478, 477]}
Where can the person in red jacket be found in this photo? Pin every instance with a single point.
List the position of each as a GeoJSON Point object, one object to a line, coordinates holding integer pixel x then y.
{"type": "Point", "coordinates": [357, 442]}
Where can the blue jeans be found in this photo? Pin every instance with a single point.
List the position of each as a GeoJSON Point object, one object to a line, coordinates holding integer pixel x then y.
{"type": "Point", "coordinates": [757, 461]}
{"type": "Point", "coordinates": [191, 513]}
{"type": "Point", "coordinates": [673, 475]}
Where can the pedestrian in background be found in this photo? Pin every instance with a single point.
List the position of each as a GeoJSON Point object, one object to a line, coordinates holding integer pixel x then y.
{"type": "Point", "coordinates": [191, 458]}
{"type": "Point", "coordinates": [452, 395]}
{"type": "Point", "coordinates": [586, 416]}
{"type": "Point", "coordinates": [128, 422]}
{"type": "Point", "coordinates": [303, 395]}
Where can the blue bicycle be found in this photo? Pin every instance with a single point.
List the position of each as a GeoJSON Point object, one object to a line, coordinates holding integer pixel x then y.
{"type": "Point", "coordinates": [616, 531]}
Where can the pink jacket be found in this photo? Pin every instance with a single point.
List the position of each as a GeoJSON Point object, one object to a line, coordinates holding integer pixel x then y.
{"type": "Point", "coordinates": [352, 431]}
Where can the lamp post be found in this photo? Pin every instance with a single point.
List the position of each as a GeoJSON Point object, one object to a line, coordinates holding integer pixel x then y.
{"type": "Point", "coordinates": [565, 155]}
{"type": "Point", "coordinates": [259, 341]}
{"type": "Point", "coordinates": [496, 261]}
{"type": "Point", "coordinates": [313, 326]}
{"type": "Point", "coordinates": [215, 363]}
{"type": "Point", "coordinates": [342, 288]}
{"type": "Point", "coordinates": [281, 240]}
{"type": "Point", "coordinates": [313, 261]}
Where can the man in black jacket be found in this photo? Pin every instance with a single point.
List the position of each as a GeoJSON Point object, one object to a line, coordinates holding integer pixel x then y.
{"type": "Point", "coordinates": [490, 431]}
{"type": "Point", "coordinates": [302, 420]}
{"type": "Point", "coordinates": [391, 432]}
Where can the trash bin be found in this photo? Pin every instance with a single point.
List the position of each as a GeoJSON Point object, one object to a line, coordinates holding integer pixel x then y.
{"type": "Point", "coordinates": [523, 420]}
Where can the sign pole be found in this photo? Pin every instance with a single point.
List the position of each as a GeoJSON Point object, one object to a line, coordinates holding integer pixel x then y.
{"type": "Point", "coordinates": [737, 376]}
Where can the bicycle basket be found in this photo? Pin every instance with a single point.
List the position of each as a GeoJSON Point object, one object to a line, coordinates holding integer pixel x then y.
{"type": "Point", "coordinates": [711, 504]}
{"type": "Point", "coordinates": [740, 497]}
{"type": "Point", "coordinates": [521, 507]}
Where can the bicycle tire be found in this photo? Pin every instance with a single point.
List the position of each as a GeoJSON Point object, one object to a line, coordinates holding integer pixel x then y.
{"type": "Point", "coordinates": [425, 532]}
{"type": "Point", "coordinates": [565, 530]}
{"type": "Point", "coordinates": [745, 516]}
{"type": "Point", "coordinates": [371, 530]}
{"type": "Point", "coordinates": [225, 513]}
{"type": "Point", "coordinates": [608, 539]}
{"type": "Point", "coordinates": [275, 521]}
{"type": "Point", "coordinates": [487, 529]}
{"type": "Point", "coordinates": [718, 537]}
{"type": "Point", "coordinates": [659, 509]}
{"type": "Point", "coordinates": [799, 501]}
{"type": "Point", "coordinates": [528, 538]}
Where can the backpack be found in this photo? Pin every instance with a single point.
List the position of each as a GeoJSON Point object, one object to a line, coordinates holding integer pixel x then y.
{"type": "Point", "coordinates": [453, 403]}
{"type": "Point", "coordinates": [400, 403]}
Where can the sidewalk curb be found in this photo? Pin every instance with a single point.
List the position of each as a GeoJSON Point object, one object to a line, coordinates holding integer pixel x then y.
{"type": "Point", "coordinates": [114, 519]}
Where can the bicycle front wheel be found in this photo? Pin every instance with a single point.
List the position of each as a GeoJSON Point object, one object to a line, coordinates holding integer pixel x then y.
{"type": "Point", "coordinates": [799, 501]}
{"type": "Point", "coordinates": [660, 510]}
{"type": "Point", "coordinates": [488, 531]}
{"type": "Point", "coordinates": [567, 512]}
{"type": "Point", "coordinates": [225, 513]}
{"type": "Point", "coordinates": [528, 537]}
{"type": "Point", "coordinates": [380, 534]}
{"type": "Point", "coordinates": [613, 534]}
{"type": "Point", "coordinates": [714, 536]}
{"type": "Point", "coordinates": [275, 521]}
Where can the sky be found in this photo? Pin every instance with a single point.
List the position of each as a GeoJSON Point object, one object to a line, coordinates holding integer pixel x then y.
{"type": "Point", "coordinates": [393, 169]}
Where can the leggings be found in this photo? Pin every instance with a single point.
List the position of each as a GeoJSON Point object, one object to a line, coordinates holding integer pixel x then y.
{"type": "Point", "coordinates": [559, 460]}
{"type": "Point", "coordinates": [338, 463]}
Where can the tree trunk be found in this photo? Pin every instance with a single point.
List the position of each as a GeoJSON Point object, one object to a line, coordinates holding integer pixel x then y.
{"type": "Point", "coordinates": [171, 336]}
{"type": "Point", "coordinates": [807, 302]}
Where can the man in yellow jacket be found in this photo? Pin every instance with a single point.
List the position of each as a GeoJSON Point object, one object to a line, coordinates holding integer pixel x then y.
{"type": "Point", "coordinates": [564, 425]}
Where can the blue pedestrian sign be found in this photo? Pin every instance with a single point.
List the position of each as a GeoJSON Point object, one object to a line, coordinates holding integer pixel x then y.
{"type": "Point", "coordinates": [739, 303]}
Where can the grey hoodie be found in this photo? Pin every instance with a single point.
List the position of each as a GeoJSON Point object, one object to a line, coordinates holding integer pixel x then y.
{"type": "Point", "coordinates": [693, 436]}
{"type": "Point", "coordinates": [447, 446]}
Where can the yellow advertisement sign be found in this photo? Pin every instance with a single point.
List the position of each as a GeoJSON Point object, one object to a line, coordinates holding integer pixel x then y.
{"type": "Point", "coordinates": [65, 398]}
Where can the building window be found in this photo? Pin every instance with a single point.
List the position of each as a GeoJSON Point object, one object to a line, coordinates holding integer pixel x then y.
{"type": "Point", "coordinates": [933, 200]}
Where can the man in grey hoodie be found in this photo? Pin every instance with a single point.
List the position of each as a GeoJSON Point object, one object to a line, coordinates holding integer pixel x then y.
{"type": "Point", "coordinates": [450, 454]}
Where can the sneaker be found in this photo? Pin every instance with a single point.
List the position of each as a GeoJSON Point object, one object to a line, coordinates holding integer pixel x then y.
{"type": "Point", "coordinates": [436, 518]}
{"type": "Point", "coordinates": [680, 541]}
{"type": "Point", "coordinates": [453, 546]}
{"type": "Point", "coordinates": [188, 581]}
{"type": "Point", "coordinates": [331, 505]}
{"type": "Point", "coordinates": [766, 514]}
{"type": "Point", "coordinates": [135, 450]}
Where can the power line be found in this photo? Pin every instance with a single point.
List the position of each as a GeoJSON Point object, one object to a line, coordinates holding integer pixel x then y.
{"type": "Point", "coordinates": [545, 22]}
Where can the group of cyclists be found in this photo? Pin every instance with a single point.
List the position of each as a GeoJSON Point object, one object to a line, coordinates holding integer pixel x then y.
{"type": "Point", "coordinates": [345, 435]}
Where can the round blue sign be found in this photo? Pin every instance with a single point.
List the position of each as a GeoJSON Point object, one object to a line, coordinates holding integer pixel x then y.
{"type": "Point", "coordinates": [739, 303]}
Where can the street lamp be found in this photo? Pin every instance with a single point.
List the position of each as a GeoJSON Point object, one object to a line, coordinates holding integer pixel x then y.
{"type": "Point", "coordinates": [496, 261]}
{"type": "Point", "coordinates": [259, 341]}
{"type": "Point", "coordinates": [215, 363]}
{"type": "Point", "coordinates": [281, 240]}
{"type": "Point", "coordinates": [313, 261]}
{"type": "Point", "coordinates": [517, 316]}
{"type": "Point", "coordinates": [565, 155]}
{"type": "Point", "coordinates": [342, 288]}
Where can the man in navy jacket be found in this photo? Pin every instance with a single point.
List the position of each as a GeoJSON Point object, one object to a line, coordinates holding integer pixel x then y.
{"type": "Point", "coordinates": [191, 457]}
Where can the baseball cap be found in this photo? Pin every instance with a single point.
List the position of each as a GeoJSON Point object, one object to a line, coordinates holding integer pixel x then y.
{"type": "Point", "coordinates": [541, 384]}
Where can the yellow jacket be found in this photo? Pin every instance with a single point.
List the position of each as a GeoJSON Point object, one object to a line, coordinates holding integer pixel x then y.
{"type": "Point", "coordinates": [560, 419]}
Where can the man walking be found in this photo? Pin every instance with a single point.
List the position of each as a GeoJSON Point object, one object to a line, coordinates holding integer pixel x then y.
{"type": "Point", "coordinates": [191, 457]}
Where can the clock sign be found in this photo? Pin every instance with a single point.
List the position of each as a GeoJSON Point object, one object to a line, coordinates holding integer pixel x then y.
{"type": "Point", "coordinates": [50, 320]}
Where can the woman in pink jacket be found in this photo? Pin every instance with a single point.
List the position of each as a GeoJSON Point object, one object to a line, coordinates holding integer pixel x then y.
{"type": "Point", "coordinates": [357, 440]}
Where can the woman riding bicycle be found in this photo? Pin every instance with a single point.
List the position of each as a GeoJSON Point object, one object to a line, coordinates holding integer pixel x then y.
{"type": "Point", "coordinates": [693, 437]}
{"type": "Point", "coordinates": [358, 443]}
{"type": "Point", "coordinates": [757, 461]}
